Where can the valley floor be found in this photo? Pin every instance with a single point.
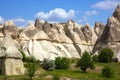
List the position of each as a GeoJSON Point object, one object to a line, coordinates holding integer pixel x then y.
{"type": "Point", "coordinates": [72, 73]}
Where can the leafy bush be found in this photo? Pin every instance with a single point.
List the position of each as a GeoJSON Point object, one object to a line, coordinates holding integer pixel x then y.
{"type": "Point", "coordinates": [62, 63]}
{"type": "Point", "coordinates": [30, 69]}
{"type": "Point", "coordinates": [107, 72]}
{"type": "Point", "coordinates": [85, 62]}
{"type": "Point", "coordinates": [95, 58]}
{"type": "Point", "coordinates": [31, 59]}
{"type": "Point", "coordinates": [105, 55]}
{"type": "Point", "coordinates": [48, 64]}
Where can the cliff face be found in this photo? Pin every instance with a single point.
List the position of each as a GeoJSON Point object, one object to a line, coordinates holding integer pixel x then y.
{"type": "Point", "coordinates": [110, 37]}
{"type": "Point", "coordinates": [46, 40]}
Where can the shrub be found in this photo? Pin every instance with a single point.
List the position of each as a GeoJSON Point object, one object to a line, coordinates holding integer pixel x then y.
{"type": "Point", "coordinates": [48, 64]}
{"type": "Point", "coordinates": [30, 69]}
{"type": "Point", "coordinates": [85, 62]}
{"type": "Point", "coordinates": [62, 63]}
{"type": "Point", "coordinates": [105, 55]}
{"type": "Point", "coordinates": [107, 72]}
{"type": "Point", "coordinates": [95, 58]}
{"type": "Point", "coordinates": [31, 65]}
{"type": "Point", "coordinates": [31, 59]}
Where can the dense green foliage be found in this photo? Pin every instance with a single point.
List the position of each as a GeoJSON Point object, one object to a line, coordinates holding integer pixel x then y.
{"type": "Point", "coordinates": [48, 64]}
{"type": "Point", "coordinates": [62, 63]}
{"type": "Point", "coordinates": [95, 58]}
{"type": "Point", "coordinates": [85, 62]}
{"type": "Point", "coordinates": [31, 67]}
{"type": "Point", "coordinates": [107, 72]}
{"type": "Point", "coordinates": [105, 55]}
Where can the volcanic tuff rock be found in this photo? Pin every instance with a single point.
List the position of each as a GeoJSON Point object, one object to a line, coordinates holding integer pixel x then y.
{"type": "Point", "coordinates": [10, 58]}
{"type": "Point", "coordinates": [98, 28]}
{"type": "Point", "coordinates": [110, 37]}
{"type": "Point", "coordinates": [49, 40]}
{"type": "Point", "coordinates": [9, 27]}
{"type": "Point", "coordinates": [56, 39]}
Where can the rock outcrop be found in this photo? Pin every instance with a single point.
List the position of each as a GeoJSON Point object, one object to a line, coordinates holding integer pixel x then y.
{"type": "Point", "coordinates": [110, 37]}
{"type": "Point", "coordinates": [49, 40]}
{"type": "Point", "coordinates": [57, 39]}
{"type": "Point", "coordinates": [10, 28]}
{"type": "Point", "coordinates": [10, 58]}
{"type": "Point", "coordinates": [98, 28]}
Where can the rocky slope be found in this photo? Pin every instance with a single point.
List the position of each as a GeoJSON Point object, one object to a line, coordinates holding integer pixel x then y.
{"type": "Point", "coordinates": [46, 40]}
{"type": "Point", "coordinates": [110, 37]}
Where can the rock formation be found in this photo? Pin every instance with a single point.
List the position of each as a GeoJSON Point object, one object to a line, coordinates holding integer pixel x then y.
{"type": "Point", "coordinates": [49, 40]}
{"type": "Point", "coordinates": [46, 40]}
{"type": "Point", "coordinates": [110, 37]}
{"type": "Point", "coordinates": [98, 28]}
{"type": "Point", "coordinates": [10, 28]}
{"type": "Point", "coordinates": [10, 58]}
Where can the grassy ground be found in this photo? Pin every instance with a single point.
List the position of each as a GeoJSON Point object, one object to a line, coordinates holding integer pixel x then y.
{"type": "Point", "coordinates": [73, 73]}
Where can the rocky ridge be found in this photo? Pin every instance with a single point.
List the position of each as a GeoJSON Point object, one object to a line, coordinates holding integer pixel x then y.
{"type": "Point", "coordinates": [110, 37]}
{"type": "Point", "coordinates": [49, 40]}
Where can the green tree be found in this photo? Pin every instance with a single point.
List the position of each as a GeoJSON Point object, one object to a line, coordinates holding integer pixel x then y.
{"type": "Point", "coordinates": [85, 62]}
{"type": "Point", "coordinates": [105, 55]}
{"type": "Point", "coordinates": [107, 72]}
{"type": "Point", "coordinates": [62, 63]}
{"type": "Point", "coordinates": [31, 68]}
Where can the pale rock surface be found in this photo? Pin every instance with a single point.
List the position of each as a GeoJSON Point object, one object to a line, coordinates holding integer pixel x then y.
{"type": "Point", "coordinates": [98, 28]}
{"type": "Point", "coordinates": [1, 34]}
{"type": "Point", "coordinates": [39, 24]}
{"type": "Point", "coordinates": [41, 35]}
{"type": "Point", "coordinates": [87, 33]}
{"type": "Point", "coordinates": [116, 13]}
{"type": "Point", "coordinates": [71, 33]}
{"type": "Point", "coordinates": [29, 32]}
{"type": "Point", "coordinates": [56, 32]}
{"type": "Point", "coordinates": [46, 49]}
{"type": "Point", "coordinates": [10, 28]}
{"type": "Point", "coordinates": [10, 57]}
{"type": "Point", "coordinates": [110, 37]}
{"type": "Point", "coordinates": [49, 40]}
